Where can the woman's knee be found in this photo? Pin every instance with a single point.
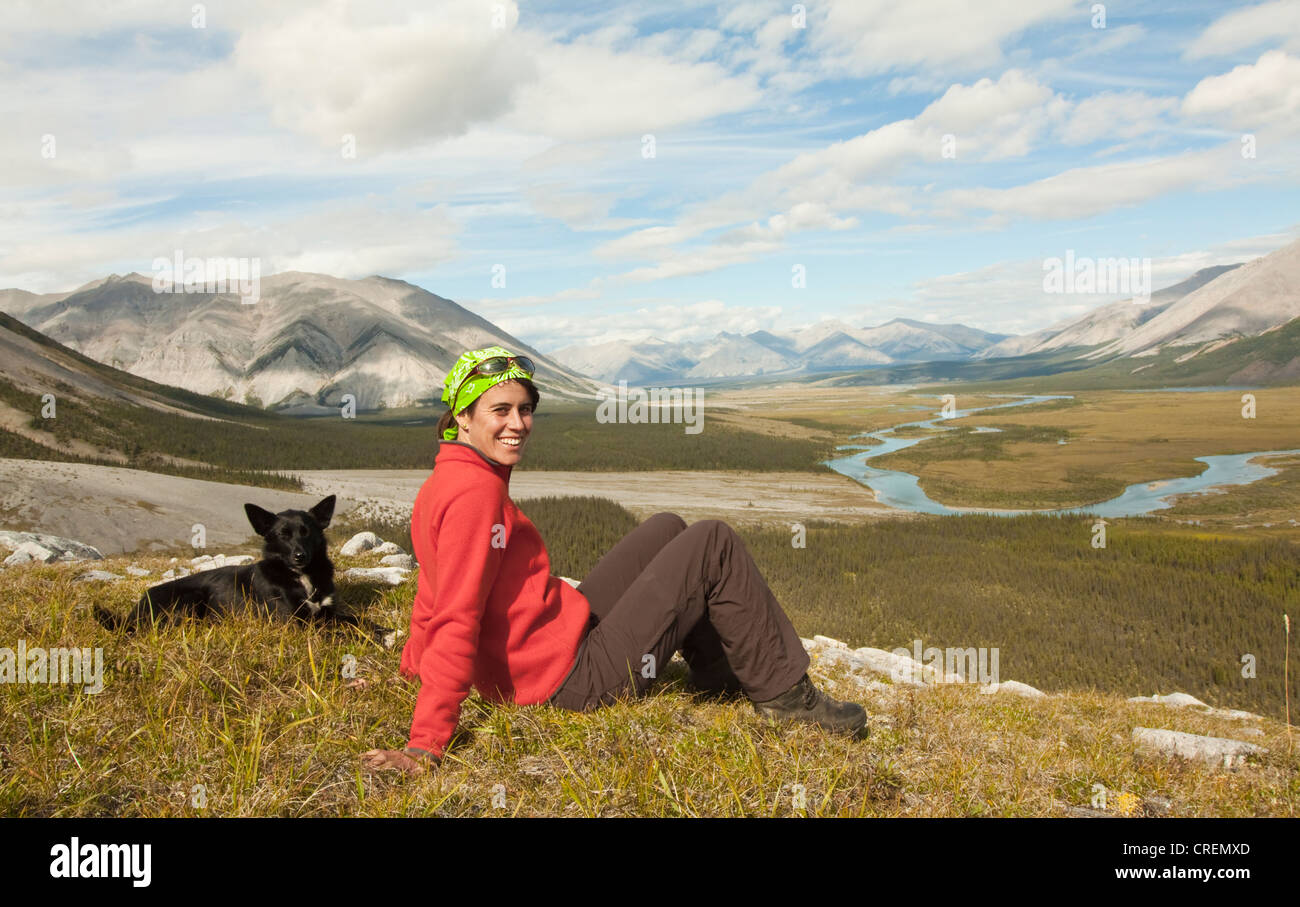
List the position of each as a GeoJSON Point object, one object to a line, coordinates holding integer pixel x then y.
{"type": "Point", "coordinates": [712, 527]}
{"type": "Point", "coordinates": [670, 520]}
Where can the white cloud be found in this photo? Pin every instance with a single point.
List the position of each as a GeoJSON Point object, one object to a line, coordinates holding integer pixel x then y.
{"type": "Point", "coordinates": [672, 323]}
{"type": "Point", "coordinates": [1085, 191]}
{"type": "Point", "coordinates": [588, 91]}
{"type": "Point", "coordinates": [1111, 115]}
{"type": "Point", "coordinates": [1263, 94]}
{"type": "Point", "coordinates": [351, 239]}
{"type": "Point", "coordinates": [1267, 23]}
{"type": "Point", "coordinates": [392, 84]}
{"type": "Point", "coordinates": [869, 37]}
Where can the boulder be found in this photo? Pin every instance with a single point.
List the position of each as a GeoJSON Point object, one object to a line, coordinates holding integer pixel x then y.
{"type": "Point", "coordinates": [404, 561]}
{"type": "Point", "coordinates": [362, 541]}
{"type": "Point", "coordinates": [31, 552]}
{"type": "Point", "coordinates": [387, 548]}
{"type": "Point", "coordinates": [1012, 686]}
{"type": "Point", "coordinates": [1193, 746]}
{"type": "Point", "coordinates": [64, 549]}
{"type": "Point", "coordinates": [394, 576]}
{"type": "Point", "coordinates": [133, 570]}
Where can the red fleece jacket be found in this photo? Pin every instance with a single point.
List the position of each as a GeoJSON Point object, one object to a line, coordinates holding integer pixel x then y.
{"type": "Point", "coordinates": [487, 611]}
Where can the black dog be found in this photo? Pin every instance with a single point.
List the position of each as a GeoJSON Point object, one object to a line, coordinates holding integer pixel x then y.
{"type": "Point", "coordinates": [294, 579]}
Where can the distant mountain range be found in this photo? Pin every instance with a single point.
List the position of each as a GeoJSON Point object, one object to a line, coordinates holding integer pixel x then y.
{"type": "Point", "coordinates": [826, 346]}
{"type": "Point", "coordinates": [312, 338]}
{"type": "Point", "coordinates": [309, 340]}
{"type": "Point", "coordinates": [1207, 310]}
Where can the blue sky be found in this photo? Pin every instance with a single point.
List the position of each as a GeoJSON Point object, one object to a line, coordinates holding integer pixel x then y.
{"type": "Point", "coordinates": [918, 159]}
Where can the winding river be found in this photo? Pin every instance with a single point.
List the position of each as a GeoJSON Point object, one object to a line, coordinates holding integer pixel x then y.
{"type": "Point", "coordinates": [901, 489]}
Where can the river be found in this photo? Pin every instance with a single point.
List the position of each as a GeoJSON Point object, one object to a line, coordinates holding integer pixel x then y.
{"type": "Point", "coordinates": [902, 490]}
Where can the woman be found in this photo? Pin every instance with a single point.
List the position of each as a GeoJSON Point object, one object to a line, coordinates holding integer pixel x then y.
{"type": "Point", "coordinates": [489, 614]}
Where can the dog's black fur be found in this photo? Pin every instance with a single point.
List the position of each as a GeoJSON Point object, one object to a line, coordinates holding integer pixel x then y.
{"type": "Point", "coordinates": [294, 578]}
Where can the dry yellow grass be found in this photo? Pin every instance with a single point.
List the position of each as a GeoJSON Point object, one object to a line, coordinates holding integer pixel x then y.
{"type": "Point", "coordinates": [246, 718]}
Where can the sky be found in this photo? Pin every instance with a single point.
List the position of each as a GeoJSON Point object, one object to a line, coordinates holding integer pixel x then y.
{"type": "Point", "coordinates": [587, 172]}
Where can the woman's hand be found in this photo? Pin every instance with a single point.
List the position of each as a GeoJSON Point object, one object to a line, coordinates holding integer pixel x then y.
{"type": "Point", "coordinates": [410, 762]}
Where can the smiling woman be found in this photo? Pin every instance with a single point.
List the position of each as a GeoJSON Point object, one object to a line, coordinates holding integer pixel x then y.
{"type": "Point", "coordinates": [489, 614]}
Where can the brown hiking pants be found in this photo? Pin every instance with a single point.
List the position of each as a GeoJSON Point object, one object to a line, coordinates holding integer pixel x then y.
{"type": "Point", "coordinates": [668, 586]}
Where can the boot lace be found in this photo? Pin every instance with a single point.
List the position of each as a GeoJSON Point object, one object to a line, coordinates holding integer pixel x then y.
{"type": "Point", "coordinates": [809, 694]}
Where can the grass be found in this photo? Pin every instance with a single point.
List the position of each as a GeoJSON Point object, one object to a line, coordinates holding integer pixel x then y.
{"type": "Point", "coordinates": [245, 718]}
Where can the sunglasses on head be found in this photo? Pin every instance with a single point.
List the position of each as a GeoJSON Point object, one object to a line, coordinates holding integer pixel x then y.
{"type": "Point", "coordinates": [495, 365]}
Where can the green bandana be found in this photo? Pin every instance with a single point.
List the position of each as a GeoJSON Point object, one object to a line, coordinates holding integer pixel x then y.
{"type": "Point", "coordinates": [475, 386]}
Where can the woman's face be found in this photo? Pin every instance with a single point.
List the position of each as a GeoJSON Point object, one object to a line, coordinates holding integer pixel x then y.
{"type": "Point", "coordinates": [500, 424]}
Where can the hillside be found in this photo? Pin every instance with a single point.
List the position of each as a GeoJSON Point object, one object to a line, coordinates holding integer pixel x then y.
{"type": "Point", "coordinates": [274, 729]}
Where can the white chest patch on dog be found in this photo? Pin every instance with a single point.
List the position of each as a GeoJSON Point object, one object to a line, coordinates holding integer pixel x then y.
{"type": "Point", "coordinates": [311, 590]}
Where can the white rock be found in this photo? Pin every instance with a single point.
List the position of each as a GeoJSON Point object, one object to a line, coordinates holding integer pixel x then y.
{"type": "Point", "coordinates": [405, 561]}
{"type": "Point", "coordinates": [387, 548]}
{"type": "Point", "coordinates": [362, 541]}
{"type": "Point", "coordinates": [175, 573]}
{"type": "Point", "coordinates": [1193, 746]}
{"type": "Point", "coordinates": [64, 549]}
{"type": "Point", "coordinates": [1011, 686]}
{"type": "Point", "coordinates": [572, 582]}
{"type": "Point", "coordinates": [1177, 700]}
{"type": "Point", "coordinates": [201, 559]}
{"type": "Point", "coordinates": [1184, 700]}
{"type": "Point", "coordinates": [31, 552]}
{"type": "Point", "coordinates": [394, 576]}
{"type": "Point", "coordinates": [239, 560]}
{"type": "Point", "coordinates": [96, 575]}
{"type": "Point", "coordinates": [133, 570]}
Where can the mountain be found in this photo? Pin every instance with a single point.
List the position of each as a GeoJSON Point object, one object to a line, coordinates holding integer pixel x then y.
{"type": "Point", "coordinates": [307, 341]}
{"type": "Point", "coordinates": [827, 345]}
{"type": "Point", "coordinates": [1106, 323]}
{"type": "Point", "coordinates": [1244, 302]}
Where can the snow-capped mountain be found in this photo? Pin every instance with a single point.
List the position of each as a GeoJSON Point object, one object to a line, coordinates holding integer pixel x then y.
{"type": "Point", "coordinates": [309, 339]}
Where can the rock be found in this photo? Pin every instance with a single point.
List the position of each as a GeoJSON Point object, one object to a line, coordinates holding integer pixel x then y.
{"type": "Point", "coordinates": [64, 549]}
{"type": "Point", "coordinates": [1083, 812]}
{"type": "Point", "coordinates": [239, 560]}
{"type": "Point", "coordinates": [899, 668]}
{"type": "Point", "coordinates": [201, 559]}
{"type": "Point", "coordinates": [572, 582]}
{"type": "Point", "coordinates": [133, 570]}
{"type": "Point", "coordinates": [404, 561]}
{"type": "Point", "coordinates": [394, 576]}
{"type": "Point", "coordinates": [95, 576]}
{"type": "Point", "coordinates": [362, 541]}
{"type": "Point", "coordinates": [31, 552]}
{"type": "Point", "coordinates": [175, 573]}
{"type": "Point", "coordinates": [1012, 686]}
{"type": "Point", "coordinates": [1193, 746]}
{"type": "Point", "coordinates": [1183, 700]}
{"type": "Point", "coordinates": [387, 548]}
{"type": "Point", "coordinates": [1177, 700]}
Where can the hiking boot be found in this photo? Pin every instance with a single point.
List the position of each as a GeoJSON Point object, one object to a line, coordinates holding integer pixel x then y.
{"type": "Point", "coordinates": [715, 678]}
{"type": "Point", "coordinates": [804, 702]}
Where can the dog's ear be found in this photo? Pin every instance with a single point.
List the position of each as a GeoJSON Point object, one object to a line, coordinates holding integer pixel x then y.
{"type": "Point", "coordinates": [323, 512]}
{"type": "Point", "coordinates": [262, 520]}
